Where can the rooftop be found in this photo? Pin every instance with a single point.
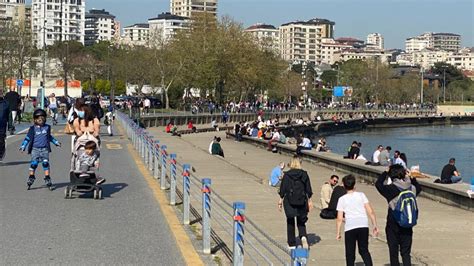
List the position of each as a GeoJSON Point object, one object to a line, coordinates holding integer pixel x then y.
{"type": "Point", "coordinates": [99, 13]}
{"type": "Point", "coordinates": [261, 26]}
{"type": "Point", "coordinates": [168, 16]}
{"type": "Point", "coordinates": [139, 25]}
{"type": "Point", "coordinates": [314, 21]}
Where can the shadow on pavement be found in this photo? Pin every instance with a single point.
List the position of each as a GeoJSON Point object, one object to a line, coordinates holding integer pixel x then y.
{"type": "Point", "coordinates": [313, 239]}
{"type": "Point", "coordinates": [14, 163]}
{"type": "Point", "coordinates": [109, 189]}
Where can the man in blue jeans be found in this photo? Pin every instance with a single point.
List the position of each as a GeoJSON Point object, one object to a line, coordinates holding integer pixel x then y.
{"type": "Point", "coordinates": [450, 174]}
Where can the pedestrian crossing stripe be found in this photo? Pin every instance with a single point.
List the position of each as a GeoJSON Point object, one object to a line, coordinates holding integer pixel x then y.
{"type": "Point", "coordinates": [113, 146]}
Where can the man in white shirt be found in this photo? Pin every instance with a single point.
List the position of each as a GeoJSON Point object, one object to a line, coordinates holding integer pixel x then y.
{"type": "Point", "coordinates": [147, 105]}
{"type": "Point", "coordinates": [354, 208]}
{"type": "Point", "coordinates": [275, 138]}
{"type": "Point", "coordinates": [376, 155]}
{"type": "Point", "coordinates": [304, 145]}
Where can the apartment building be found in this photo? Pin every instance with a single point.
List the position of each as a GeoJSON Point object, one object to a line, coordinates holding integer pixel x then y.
{"type": "Point", "coordinates": [267, 36]}
{"type": "Point", "coordinates": [137, 34]}
{"type": "Point", "coordinates": [329, 47]}
{"type": "Point", "coordinates": [57, 20]}
{"type": "Point", "coordinates": [375, 40]}
{"type": "Point", "coordinates": [426, 58]}
{"type": "Point", "coordinates": [464, 59]}
{"type": "Point", "coordinates": [441, 41]}
{"type": "Point", "coordinates": [13, 11]}
{"type": "Point", "coordinates": [166, 25]}
{"type": "Point", "coordinates": [190, 8]}
{"type": "Point", "coordinates": [363, 54]}
{"type": "Point", "coordinates": [301, 40]}
{"type": "Point", "coordinates": [99, 26]}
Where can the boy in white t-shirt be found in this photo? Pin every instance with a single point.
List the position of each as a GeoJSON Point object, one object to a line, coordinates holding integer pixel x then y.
{"type": "Point", "coordinates": [354, 208]}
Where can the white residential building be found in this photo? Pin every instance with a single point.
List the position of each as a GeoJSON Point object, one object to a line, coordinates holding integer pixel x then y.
{"type": "Point", "coordinates": [188, 8]}
{"type": "Point", "coordinates": [375, 40]}
{"type": "Point", "coordinates": [301, 40]}
{"type": "Point", "coordinates": [441, 41]}
{"type": "Point", "coordinates": [362, 54]}
{"type": "Point", "coordinates": [99, 26]}
{"type": "Point", "coordinates": [137, 34]}
{"type": "Point", "coordinates": [57, 21]}
{"type": "Point", "coordinates": [329, 47]}
{"type": "Point", "coordinates": [464, 59]}
{"type": "Point", "coordinates": [166, 25]}
{"type": "Point", "coordinates": [426, 58]}
{"type": "Point", "coordinates": [267, 36]}
{"type": "Point", "coordinates": [13, 10]}
{"type": "Point", "coordinates": [416, 44]}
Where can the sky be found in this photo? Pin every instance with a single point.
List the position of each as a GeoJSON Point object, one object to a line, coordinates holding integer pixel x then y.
{"type": "Point", "coordinates": [396, 20]}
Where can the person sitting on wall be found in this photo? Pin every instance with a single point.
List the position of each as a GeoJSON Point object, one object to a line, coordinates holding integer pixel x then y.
{"type": "Point", "coordinates": [216, 148]}
{"type": "Point", "coordinates": [450, 173]}
{"type": "Point", "coordinates": [354, 151]}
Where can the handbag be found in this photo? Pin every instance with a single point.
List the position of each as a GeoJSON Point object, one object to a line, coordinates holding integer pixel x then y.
{"type": "Point", "coordinates": [69, 129]}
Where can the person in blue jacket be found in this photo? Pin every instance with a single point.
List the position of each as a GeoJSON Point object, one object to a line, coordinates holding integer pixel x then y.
{"type": "Point", "coordinates": [37, 142]}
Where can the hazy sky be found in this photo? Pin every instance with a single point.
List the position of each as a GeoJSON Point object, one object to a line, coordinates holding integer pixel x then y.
{"type": "Point", "coordinates": [396, 20]}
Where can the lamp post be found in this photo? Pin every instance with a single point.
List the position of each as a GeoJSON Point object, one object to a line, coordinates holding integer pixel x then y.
{"type": "Point", "coordinates": [444, 84]}
{"type": "Point", "coordinates": [43, 75]}
{"type": "Point", "coordinates": [421, 93]}
{"type": "Point", "coordinates": [304, 83]}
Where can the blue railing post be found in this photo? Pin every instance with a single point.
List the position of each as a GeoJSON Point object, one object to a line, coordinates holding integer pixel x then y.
{"type": "Point", "coordinates": [164, 157]}
{"type": "Point", "coordinates": [238, 245]}
{"type": "Point", "coordinates": [156, 157]}
{"type": "Point", "coordinates": [186, 193]}
{"type": "Point", "coordinates": [206, 215]}
{"type": "Point", "coordinates": [173, 179]}
{"type": "Point", "coordinates": [299, 256]}
{"type": "Point", "coordinates": [150, 153]}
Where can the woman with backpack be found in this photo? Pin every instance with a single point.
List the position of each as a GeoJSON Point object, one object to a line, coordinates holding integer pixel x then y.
{"type": "Point", "coordinates": [402, 211]}
{"type": "Point", "coordinates": [295, 198]}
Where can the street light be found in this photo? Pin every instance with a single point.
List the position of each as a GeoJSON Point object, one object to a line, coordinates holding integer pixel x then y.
{"type": "Point", "coordinates": [304, 83]}
{"type": "Point", "coordinates": [421, 95]}
{"type": "Point", "coordinates": [444, 84]}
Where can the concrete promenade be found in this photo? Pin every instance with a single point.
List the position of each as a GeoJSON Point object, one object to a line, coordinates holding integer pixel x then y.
{"type": "Point", "coordinates": [444, 235]}
{"type": "Point", "coordinates": [41, 227]}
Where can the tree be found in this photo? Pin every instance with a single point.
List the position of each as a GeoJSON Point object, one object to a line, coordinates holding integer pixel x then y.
{"type": "Point", "coordinates": [69, 54]}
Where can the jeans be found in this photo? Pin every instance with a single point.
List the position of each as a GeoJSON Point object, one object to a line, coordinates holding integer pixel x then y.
{"type": "Point", "coordinates": [455, 179]}
{"type": "Point", "coordinates": [2, 143]}
{"type": "Point", "coordinates": [399, 239]}
{"type": "Point", "coordinates": [361, 236]}
{"type": "Point", "coordinates": [290, 228]}
{"type": "Point", "coordinates": [300, 148]}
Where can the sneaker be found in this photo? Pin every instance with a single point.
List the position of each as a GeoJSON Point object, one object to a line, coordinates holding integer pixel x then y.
{"type": "Point", "coordinates": [304, 242]}
{"type": "Point", "coordinates": [100, 181]}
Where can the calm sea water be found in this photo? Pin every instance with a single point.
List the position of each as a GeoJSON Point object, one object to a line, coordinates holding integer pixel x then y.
{"type": "Point", "coordinates": [428, 147]}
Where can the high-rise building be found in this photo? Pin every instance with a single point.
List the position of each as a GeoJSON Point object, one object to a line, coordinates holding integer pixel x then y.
{"type": "Point", "coordinates": [13, 11]}
{"type": "Point", "coordinates": [54, 21]}
{"type": "Point", "coordinates": [137, 34]}
{"type": "Point", "coordinates": [375, 40]}
{"type": "Point", "coordinates": [441, 41]}
{"type": "Point", "coordinates": [166, 25]}
{"type": "Point", "coordinates": [267, 36]}
{"type": "Point", "coordinates": [189, 8]}
{"type": "Point", "coordinates": [301, 40]}
{"type": "Point", "coordinates": [99, 26]}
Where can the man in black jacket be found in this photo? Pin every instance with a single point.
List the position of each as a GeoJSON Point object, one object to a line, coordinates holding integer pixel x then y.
{"type": "Point", "coordinates": [14, 100]}
{"type": "Point", "coordinates": [398, 238]}
{"type": "Point", "coordinates": [4, 114]}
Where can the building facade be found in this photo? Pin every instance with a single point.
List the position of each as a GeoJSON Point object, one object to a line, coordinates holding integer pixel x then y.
{"type": "Point", "coordinates": [426, 58]}
{"type": "Point", "coordinates": [363, 54]}
{"type": "Point", "coordinates": [99, 26]}
{"type": "Point", "coordinates": [13, 11]}
{"type": "Point", "coordinates": [54, 21]}
{"type": "Point", "coordinates": [137, 34]}
{"type": "Point", "coordinates": [189, 8]}
{"type": "Point", "coordinates": [267, 36]}
{"type": "Point", "coordinates": [441, 41]}
{"type": "Point", "coordinates": [375, 40]}
{"type": "Point", "coordinates": [301, 40]}
{"type": "Point", "coordinates": [166, 25]}
{"type": "Point", "coordinates": [329, 47]}
{"type": "Point", "coordinates": [464, 59]}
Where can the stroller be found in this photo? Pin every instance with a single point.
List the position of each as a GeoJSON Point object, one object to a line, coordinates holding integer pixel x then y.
{"type": "Point", "coordinates": [79, 183]}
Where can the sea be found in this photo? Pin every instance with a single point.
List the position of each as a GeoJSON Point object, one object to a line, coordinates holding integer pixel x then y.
{"type": "Point", "coordinates": [430, 147]}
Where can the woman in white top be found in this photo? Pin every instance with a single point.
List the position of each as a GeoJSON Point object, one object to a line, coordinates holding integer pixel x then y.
{"type": "Point", "coordinates": [354, 207]}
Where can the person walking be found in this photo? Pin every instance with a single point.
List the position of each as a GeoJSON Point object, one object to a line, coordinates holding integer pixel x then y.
{"type": "Point", "coordinates": [354, 207]}
{"type": "Point", "coordinates": [399, 238]}
{"type": "Point", "coordinates": [295, 197]}
{"type": "Point", "coordinates": [13, 99]}
{"type": "Point", "coordinates": [4, 114]}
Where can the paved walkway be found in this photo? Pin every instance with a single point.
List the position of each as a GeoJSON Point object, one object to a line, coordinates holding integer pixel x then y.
{"type": "Point", "coordinates": [444, 235]}
{"type": "Point", "coordinates": [40, 227]}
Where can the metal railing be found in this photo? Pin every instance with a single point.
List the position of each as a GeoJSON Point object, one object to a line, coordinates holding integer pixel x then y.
{"type": "Point", "coordinates": [222, 223]}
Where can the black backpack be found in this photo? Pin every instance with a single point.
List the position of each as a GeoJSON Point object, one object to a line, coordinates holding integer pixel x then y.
{"type": "Point", "coordinates": [297, 193]}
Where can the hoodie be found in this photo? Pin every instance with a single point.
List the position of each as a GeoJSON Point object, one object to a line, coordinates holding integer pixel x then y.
{"type": "Point", "coordinates": [295, 174]}
{"type": "Point", "coordinates": [4, 113]}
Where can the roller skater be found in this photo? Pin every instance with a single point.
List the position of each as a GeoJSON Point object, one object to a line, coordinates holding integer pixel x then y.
{"type": "Point", "coordinates": [38, 143]}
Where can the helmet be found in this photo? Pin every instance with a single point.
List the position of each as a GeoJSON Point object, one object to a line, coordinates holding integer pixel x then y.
{"type": "Point", "coordinates": [38, 113]}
